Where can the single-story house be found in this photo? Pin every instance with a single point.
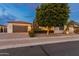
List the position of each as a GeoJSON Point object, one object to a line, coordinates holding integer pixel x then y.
{"type": "Point", "coordinates": [21, 26]}
{"type": "Point", "coordinates": [18, 26]}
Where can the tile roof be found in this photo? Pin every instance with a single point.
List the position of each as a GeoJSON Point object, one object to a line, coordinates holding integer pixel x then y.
{"type": "Point", "coordinates": [19, 22]}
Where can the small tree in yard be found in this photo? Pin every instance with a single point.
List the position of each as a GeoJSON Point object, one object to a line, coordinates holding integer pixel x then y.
{"type": "Point", "coordinates": [52, 14]}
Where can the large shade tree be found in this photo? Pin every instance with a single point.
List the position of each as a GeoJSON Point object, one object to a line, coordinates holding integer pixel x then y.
{"type": "Point", "coordinates": [52, 14]}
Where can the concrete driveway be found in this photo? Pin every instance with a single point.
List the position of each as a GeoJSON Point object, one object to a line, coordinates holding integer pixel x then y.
{"type": "Point", "coordinates": [39, 46]}
{"type": "Point", "coordinates": [21, 40]}
{"type": "Point", "coordinates": [13, 35]}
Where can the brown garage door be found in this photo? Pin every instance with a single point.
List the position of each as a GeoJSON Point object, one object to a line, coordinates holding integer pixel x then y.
{"type": "Point", "coordinates": [20, 28]}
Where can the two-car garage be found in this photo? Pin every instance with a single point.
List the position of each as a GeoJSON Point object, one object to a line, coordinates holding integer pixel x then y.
{"type": "Point", "coordinates": [18, 26]}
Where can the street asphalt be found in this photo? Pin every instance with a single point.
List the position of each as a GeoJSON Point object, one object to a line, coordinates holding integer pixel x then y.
{"type": "Point", "coordinates": [57, 49]}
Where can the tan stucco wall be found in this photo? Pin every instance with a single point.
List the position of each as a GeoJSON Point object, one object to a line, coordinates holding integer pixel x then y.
{"type": "Point", "coordinates": [10, 26]}
{"type": "Point", "coordinates": [71, 29]}
{"type": "Point", "coordinates": [42, 28]}
{"type": "Point", "coordinates": [45, 28]}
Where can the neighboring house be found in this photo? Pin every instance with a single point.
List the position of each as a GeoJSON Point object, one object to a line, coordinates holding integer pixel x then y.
{"type": "Point", "coordinates": [18, 26]}
{"type": "Point", "coordinates": [72, 25]}
{"type": "Point", "coordinates": [3, 28]}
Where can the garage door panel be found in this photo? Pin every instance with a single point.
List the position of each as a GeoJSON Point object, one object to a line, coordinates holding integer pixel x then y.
{"type": "Point", "coordinates": [20, 28]}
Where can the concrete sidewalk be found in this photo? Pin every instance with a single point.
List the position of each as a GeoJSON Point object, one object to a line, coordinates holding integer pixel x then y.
{"type": "Point", "coordinates": [13, 43]}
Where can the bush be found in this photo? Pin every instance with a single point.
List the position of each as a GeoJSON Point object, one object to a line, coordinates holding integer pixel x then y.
{"type": "Point", "coordinates": [38, 30]}
{"type": "Point", "coordinates": [31, 33]}
{"type": "Point", "coordinates": [76, 31]}
{"type": "Point", "coordinates": [51, 31]}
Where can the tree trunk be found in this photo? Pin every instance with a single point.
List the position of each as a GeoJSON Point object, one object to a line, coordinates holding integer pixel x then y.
{"type": "Point", "coordinates": [47, 30]}
{"type": "Point", "coordinates": [53, 28]}
{"type": "Point", "coordinates": [65, 27]}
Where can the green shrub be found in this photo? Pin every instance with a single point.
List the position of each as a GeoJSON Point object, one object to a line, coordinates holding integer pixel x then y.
{"type": "Point", "coordinates": [51, 31]}
{"type": "Point", "coordinates": [31, 33]}
{"type": "Point", "coordinates": [37, 30]}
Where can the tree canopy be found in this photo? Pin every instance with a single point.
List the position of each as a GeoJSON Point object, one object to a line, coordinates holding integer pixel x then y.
{"type": "Point", "coordinates": [52, 14]}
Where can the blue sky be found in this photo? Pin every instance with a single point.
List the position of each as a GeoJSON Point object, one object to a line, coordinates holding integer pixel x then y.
{"type": "Point", "coordinates": [26, 12]}
{"type": "Point", "coordinates": [74, 15]}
